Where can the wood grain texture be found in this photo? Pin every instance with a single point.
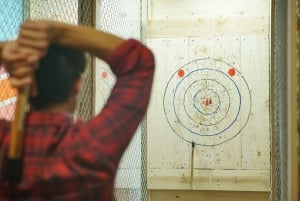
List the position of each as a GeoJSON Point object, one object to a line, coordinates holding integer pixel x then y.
{"type": "Point", "coordinates": [161, 195]}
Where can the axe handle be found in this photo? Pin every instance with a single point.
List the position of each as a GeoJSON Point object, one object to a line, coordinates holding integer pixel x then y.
{"type": "Point", "coordinates": [17, 126]}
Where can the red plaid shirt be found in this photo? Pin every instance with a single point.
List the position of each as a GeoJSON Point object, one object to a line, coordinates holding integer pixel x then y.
{"type": "Point", "coordinates": [66, 160]}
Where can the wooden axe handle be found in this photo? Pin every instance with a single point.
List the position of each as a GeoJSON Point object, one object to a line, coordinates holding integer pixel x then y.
{"type": "Point", "coordinates": [17, 126]}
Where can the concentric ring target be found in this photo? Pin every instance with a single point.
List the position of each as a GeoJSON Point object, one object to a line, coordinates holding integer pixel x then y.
{"type": "Point", "coordinates": [207, 102]}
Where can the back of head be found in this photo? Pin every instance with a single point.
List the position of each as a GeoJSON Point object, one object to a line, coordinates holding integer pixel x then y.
{"type": "Point", "coordinates": [56, 75]}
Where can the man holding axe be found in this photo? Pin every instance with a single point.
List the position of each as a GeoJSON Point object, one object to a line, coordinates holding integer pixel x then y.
{"type": "Point", "coordinates": [63, 159]}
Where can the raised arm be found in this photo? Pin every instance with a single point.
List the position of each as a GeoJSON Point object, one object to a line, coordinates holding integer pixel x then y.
{"type": "Point", "coordinates": [40, 34]}
{"type": "Point", "coordinates": [34, 39]}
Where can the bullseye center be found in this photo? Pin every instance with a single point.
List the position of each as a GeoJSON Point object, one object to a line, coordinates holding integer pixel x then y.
{"type": "Point", "coordinates": [206, 102]}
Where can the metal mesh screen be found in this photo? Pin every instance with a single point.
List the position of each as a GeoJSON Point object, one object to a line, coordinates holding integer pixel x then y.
{"type": "Point", "coordinates": [74, 12]}
{"type": "Point", "coordinates": [85, 108]}
{"type": "Point", "coordinates": [11, 16]}
{"type": "Point", "coordinates": [123, 18]}
{"type": "Point", "coordinates": [281, 104]}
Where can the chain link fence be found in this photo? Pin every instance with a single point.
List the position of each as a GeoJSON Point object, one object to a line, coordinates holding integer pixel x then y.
{"type": "Point", "coordinates": [123, 18]}
{"type": "Point", "coordinates": [120, 17]}
{"type": "Point", "coordinates": [11, 16]}
{"type": "Point", "coordinates": [281, 102]}
{"type": "Point", "coordinates": [282, 165]}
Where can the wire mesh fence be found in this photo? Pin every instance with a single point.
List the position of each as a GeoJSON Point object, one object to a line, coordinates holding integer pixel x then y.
{"type": "Point", "coordinates": [123, 18]}
{"type": "Point", "coordinates": [11, 16]}
{"type": "Point", "coordinates": [280, 102]}
{"type": "Point", "coordinates": [120, 17]}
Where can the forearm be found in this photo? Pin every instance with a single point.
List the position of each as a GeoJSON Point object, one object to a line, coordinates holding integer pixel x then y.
{"type": "Point", "coordinates": [98, 43]}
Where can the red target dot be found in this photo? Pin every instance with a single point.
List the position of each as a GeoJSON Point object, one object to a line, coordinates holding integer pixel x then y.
{"type": "Point", "coordinates": [181, 73]}
{"type": "Point", "coordinates": [104, 74]}
{"type": "Point", "coordinates": [207, 102]}
{"type": "Point", "coordinates": [231, 72]}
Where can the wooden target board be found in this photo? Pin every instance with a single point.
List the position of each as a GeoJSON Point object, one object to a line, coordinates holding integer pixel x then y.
{"type": "Point", "coordinates": [212, 92]}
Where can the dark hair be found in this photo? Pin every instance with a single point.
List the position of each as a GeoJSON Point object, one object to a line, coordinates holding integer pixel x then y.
{"type": "Point", "coordinates": [56, 75]}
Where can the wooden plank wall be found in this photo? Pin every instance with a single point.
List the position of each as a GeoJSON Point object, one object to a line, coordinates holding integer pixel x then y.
{"type": "Point", "coordinates": [168, 195]}
{"type": "Point", "coordinates": [234, 33]}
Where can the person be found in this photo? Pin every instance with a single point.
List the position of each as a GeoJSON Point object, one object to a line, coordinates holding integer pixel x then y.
{"type": "Point", "coordinates": [66, 159]}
